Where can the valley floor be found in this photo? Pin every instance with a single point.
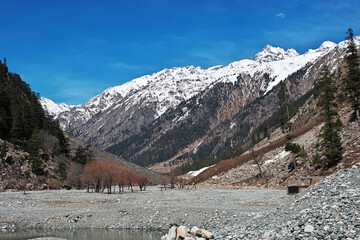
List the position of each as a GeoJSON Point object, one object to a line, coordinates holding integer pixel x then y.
{"type": "Point", "coordinates": [151, 209]}
{"type": "Point", "coordinates": [329, 209]}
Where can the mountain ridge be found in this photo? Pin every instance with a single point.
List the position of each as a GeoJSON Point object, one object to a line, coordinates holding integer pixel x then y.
{"type": "Point", "coordinates": [179, 114]}
{"type": "Point", "coordinates": [167, 88]}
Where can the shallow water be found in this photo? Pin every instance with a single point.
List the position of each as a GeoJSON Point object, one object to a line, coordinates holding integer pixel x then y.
{"type": "Point", "coordinates": [83, 234]}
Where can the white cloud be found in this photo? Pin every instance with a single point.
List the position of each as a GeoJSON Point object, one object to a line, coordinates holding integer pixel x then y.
{"type": "Point", "coordinates": [280, 15]}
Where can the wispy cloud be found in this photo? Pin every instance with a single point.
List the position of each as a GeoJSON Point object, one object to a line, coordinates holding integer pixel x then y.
{"type": "Point", "coordinates": [280, 15]}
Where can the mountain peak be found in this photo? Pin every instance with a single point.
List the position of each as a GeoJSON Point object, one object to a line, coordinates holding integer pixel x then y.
{"type": "Point", "coordinates": [327, 45]}
{"type": "Point", "coordinates": [52, 108]}
{"type": "Point", "coordinates": [270, 54]}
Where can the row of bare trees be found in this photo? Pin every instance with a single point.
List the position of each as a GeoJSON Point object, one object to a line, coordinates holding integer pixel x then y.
{"type": "Point", "coordinates": [99, 175]}
{"type": "Point", "coordinates": [174, 179]}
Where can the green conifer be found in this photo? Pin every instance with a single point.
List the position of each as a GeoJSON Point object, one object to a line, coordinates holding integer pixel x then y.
{"type": "Point", "coordinates": [331, 141]}
{"type": "Point", "coordinates": [283, 107]}
{"type": "Point", "coordinates": [352, 81]}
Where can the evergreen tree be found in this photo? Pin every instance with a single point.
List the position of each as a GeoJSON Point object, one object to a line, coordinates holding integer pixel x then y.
{"type": "Point", "coordinates": [62, 169]}
{"type": "Point", "coordinates": [83, 154]}
{"type": "Point", "coordinates": [352, 81]}
{"type": "Point", "coordinates": [283, 107]}
{"type": "Point", "coordinates": [331, 141]}
{"type": "Point", "coordinates": [17, 124]}
{"type": "Point", "coordinates": [33, 146]}
{"type": "Point", "coordinates": [3, 150]}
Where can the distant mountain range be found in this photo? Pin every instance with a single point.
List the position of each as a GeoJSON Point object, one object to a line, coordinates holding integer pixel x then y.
{"type": "Point", "coordinates": [185, 114]}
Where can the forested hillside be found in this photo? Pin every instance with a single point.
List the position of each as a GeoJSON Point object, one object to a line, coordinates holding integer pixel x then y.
{"type": "Point", "coordinates": [34, 151]}
{"type": "Point", "coordinates": [23, 122]}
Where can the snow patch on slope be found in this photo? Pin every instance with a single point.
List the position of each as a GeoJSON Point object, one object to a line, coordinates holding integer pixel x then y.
{"type": "Point", "coordinates": [279, 156]}
{"type": "Point", "coordinates": [197, 172]}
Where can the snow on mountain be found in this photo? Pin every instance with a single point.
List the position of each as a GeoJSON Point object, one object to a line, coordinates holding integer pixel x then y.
{"type": "Point", "coordinates": [270, 54]}
{"type": "Point", "coordinates": [167, 88]}
{"type": "Point", "coordinates": [52, 108]}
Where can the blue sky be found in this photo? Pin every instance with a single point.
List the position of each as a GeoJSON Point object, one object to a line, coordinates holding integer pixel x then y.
{"type": "Point", "coordinates": [70, 51]}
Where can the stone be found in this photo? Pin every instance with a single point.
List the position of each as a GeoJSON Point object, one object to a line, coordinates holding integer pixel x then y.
{"type": "Point", "coordinates": [267, 235]}
{"type": "Point", "coordinates": [206, 234]}
{"type": "Point", "coordinates": [309, 229]}
{"type": "Point", "coordinates": [194, 229]}
{"type": "Point", "coordinates": [172, 233]}
{"type": "Point", "coordinates": [181, 232]}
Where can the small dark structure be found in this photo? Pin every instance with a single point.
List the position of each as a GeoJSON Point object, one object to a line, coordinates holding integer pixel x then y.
{"type": "Point", "coordinates": [298, 185]}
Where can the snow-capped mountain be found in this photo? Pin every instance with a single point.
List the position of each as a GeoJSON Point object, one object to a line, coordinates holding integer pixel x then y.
{"type": "Point", "coordinates": [122, 111]}
{"type": "Point", "coordinates": [52, 108]}
{"type": "Point", "coordinates": [270, 54]}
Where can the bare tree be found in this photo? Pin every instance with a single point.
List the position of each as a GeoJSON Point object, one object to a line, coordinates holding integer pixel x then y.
{"type": "Point", "coordinates": [173, 174]}
{"type": "Point", "coordinates": [110, 172]}
{"type": "Point", "coordinates": [121, 178]}
{"type": "Point", "coordinates": [257, 160]}
{"type": "Point", "coordinates": [49, 143]}
{"type": "Point", "coordinates": [143, 180]}
{"type": "Point", "coordinates": [23, 182]}
{"type": "Point", "coordinates": [164, 180]}
{"type": "Point", "coordinates": [181, 181]}
{"type": "Point", "coordinates": [74, 175]}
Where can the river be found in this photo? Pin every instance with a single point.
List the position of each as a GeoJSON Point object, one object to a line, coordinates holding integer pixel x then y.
{"type": "Point", "coordinates": [83, 234]}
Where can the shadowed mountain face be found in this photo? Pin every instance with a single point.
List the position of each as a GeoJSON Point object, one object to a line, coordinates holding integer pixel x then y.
{"type": "Point", "coordinates": [190, 113]}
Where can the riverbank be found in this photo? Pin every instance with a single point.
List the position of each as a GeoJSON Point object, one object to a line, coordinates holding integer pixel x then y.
{"type": "Point", "coordinates": [149, 210]}
{"type": "Point", "coordinates": [327, 210]}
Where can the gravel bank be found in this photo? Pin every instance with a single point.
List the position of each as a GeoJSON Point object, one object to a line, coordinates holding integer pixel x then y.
{"type": "Point", "coordinates": [152, 209]}
{"type": "Point", "coordinates": [327, 210]}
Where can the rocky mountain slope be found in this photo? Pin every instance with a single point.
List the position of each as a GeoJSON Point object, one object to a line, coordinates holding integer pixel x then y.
{"type": "Point", "coordinates": [187, 114]}
{"type": "Point", "coordinates": [220, 119]}
{"type": "Point", "coordinates": [277, 164]}
{"type": "Point", "coordinates": [130, 107]}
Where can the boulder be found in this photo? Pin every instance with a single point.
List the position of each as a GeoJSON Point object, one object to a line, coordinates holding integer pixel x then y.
{"type": "Point", "coordinates": [181, 232]}
{"type": "Point", "coordinates": [172, 233]}
{"type": "Point", "coordinates": [195, 231]}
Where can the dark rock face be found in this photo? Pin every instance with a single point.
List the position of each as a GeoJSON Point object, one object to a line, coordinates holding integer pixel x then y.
{"type": "Point", "coordinates": [225, 109]}
{"type": "Point", "coordinates": [218, 118]}
{"type": "Point", "coordinates": [119, 124]}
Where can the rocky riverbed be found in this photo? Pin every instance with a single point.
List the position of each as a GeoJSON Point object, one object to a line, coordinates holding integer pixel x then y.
{"type": "Point", "coordinates": [149, 210]}
{"type": "Point", "coordinates": [328, 210]}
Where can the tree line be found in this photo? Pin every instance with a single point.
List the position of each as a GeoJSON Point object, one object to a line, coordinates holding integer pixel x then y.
{"type": "Point", "coordinates": [101, 175]}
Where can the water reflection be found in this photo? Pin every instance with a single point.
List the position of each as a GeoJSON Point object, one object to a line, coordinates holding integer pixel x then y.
{"type": "Point", "coordinates": [83, 234]}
